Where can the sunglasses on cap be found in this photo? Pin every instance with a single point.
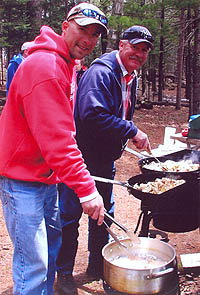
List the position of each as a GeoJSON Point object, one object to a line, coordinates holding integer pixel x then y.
{"type": "Point", "coordinates": [92, 13]}
{"type": "Point", "coordinates": [137, 35]}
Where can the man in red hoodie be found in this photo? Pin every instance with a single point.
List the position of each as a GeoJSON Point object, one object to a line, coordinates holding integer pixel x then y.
{"type": "Point", "coordinates": [38, 149]}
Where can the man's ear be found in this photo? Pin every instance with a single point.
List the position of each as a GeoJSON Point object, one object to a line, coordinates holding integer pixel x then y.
{"type": "Point", "coordinates": [65, 25]}
{"type": "Point", "coordinates": [121, 44]}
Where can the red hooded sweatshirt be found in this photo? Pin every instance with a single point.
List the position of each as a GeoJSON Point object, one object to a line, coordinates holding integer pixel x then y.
{"type": "Point", "coordinates": [36, 126]}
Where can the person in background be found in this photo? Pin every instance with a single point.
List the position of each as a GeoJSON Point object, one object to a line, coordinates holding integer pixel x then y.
{"type": "Point", "coordinates": [15, 62]}
{"type": "Point", "coordinates": [104, 108]}
{"type": "Point", "coordinates": [38, 148]}
{"type": "Point", "coordinates": [80, 69]}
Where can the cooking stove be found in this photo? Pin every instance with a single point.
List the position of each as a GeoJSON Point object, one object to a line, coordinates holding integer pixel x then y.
{"type": "Point", "coordinates": [172, 290]}
{"type": "Point", "coordinates": [146, 217]}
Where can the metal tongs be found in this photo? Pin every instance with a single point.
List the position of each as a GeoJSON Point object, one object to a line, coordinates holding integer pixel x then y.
{"type": "Point", "coordinates": [134, 238]}
{"type": "Point", "coordinates": [128, 251]}
{"type": "Point", "coordinates": [114, 236]}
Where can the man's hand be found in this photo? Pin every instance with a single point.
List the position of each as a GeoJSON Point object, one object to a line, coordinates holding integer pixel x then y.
{"type": "Point", "coordinates": [141, 141]}
{"type": "Point", "coordinates": [95, 209]}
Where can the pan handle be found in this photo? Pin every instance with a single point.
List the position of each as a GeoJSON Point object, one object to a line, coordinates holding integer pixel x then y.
{"type": "Point", "coordinates": [159, 274]}
{"type": "Point", "coordinates": [139, 155]}
{"type": "Point", "coordinates": [107, 180]}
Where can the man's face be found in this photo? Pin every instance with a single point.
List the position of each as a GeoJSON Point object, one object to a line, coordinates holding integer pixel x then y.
{"type": "Point", "coordinates": [133, 56]}
{"type": "Point", "coordinates": [80, 40]}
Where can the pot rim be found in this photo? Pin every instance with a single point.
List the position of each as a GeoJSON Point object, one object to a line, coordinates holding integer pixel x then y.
{"type": "Point", "coordinates": [140, 269]}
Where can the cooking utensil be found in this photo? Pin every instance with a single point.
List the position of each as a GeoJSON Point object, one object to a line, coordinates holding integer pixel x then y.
{"type": "Point", "coordinates": [114, 236]}
{"type": "Point", "coordinates": [150, 177]}
{"type": "Point", "coordinates": [176, 210]}
{"type": "Point", "coordinates": [140, 155]}
{"type": "Point", "coordinates": [177, 157]}
{"type": "Point", "coordinates": [162, 165]}
{"type": "Point", "coordinates": [134, 238]}
{"type": "Point", "coordinates": [137, 154]}
{"type": "Point", "coordinates": [136, 280]}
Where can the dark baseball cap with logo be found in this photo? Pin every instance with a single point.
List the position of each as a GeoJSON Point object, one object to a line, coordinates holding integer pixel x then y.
{"type": "Point", "coordinates": [85, 14]}
{"type": "Point", "coordinates": [138, 34]}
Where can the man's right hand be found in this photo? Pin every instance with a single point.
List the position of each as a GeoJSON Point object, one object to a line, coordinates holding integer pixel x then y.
{"type": "Point", "coordinates": [141, 141]}
{"type": "Point", "coordinates": [95, 209]}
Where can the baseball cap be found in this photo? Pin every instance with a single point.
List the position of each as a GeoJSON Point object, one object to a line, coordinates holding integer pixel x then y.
{"type": "Point", "coordinates": [26, 45]}
{"type": "Point", "coordinates": [85, 14]}
{"type": "Point", "coordinates": [137, 34]}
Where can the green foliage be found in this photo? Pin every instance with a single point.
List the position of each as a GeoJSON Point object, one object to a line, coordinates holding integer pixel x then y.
{"type": "Point", "coordinates": [20, 21]}
{"type": "Point", "coordinates": [15, 23]}
{"type": "Point", "coordinates": [54, 12]}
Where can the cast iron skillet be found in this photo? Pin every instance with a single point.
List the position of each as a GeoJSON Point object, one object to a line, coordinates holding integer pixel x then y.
{"type": "Point", "coordinates": [177, 156]}
{"type": "Point", "coordinates": [176, 210]}
{"type": "Point", "coordinates": [147, 177]}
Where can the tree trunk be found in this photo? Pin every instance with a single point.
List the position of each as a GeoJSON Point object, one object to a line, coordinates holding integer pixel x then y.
{"type": "Point", "coordinates": [153, 76]}
{"type": "Point", "coordinates": [144, 69]}
{"type": "Point", "coordinates": [38, 10]}
{"type": "Point", "coordinates": [113, 40]}
{"type": "Point", "coordinates": [180, 58]}
{"type": "Point", "coordinates": [2, 64]}
{"type": "Point", "coordinates": [188, 63]}
{"type": "Point", "coordinates": [196, 84]}
{"type": "Point", "coordinates": [160, 69]}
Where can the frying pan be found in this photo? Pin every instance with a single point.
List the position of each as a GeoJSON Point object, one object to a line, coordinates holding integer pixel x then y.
{"type": "Point", "coordinates": [176, 156]}
{"type": "Point", "coordinates": [176, 210]}
{"type": "Point", "coordinates": [185, 154]}
{"type": "Point", "coordinates": [147, 177]}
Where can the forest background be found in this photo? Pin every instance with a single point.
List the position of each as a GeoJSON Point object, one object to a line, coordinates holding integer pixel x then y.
{"type": "Point", "coordinates": [170, 77]}
{"type": "Point", "coordinates": [175, 25]}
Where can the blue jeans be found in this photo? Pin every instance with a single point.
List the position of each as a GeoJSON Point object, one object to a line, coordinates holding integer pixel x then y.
{"type": "Point", "coordinates": [71, 212]}
{"type": "Point", "coordinates": [33, 222]}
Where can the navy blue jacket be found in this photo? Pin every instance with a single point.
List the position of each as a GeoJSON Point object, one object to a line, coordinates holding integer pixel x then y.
{"type": "Point", "coordinates": [101, 132]}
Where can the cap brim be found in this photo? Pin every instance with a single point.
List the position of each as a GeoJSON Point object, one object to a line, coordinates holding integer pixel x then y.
{"type": "Point", "coordinates": [136, 41]}
{"type": "Point", "coordinates": [84, 21]}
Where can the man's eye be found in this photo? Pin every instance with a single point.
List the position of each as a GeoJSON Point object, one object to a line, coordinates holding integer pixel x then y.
{"type": "Point", "coordinates": [134, 46]}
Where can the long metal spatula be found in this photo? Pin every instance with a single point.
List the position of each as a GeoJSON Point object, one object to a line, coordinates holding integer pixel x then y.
{"type": "Point", "coordinates": [162, 165]}
{"type": "Point", "coordinates": [141, 156]}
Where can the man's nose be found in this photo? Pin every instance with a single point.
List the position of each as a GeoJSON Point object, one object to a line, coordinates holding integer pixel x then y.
{"type": "Point", "coordinates": [139, 53]}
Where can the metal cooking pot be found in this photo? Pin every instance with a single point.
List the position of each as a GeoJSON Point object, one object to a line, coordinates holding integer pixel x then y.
{"type": "Point", "coordinates": [140, 281]}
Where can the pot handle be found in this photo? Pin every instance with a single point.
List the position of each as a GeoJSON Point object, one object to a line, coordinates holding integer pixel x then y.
{"type": "Point", "coordinates": [159, 274]}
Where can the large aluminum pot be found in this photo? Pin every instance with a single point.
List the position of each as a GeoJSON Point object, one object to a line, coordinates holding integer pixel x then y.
{"type": "Point", "coordinates": [140, 281]}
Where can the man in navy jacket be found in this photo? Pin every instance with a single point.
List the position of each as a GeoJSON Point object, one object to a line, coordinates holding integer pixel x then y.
{"type": "Point", "coordinates": [105, 103]}
{"type": "Point", "coordinates": [15, 62]}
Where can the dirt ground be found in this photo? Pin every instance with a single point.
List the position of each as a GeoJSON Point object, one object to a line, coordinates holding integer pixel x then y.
{"type": "Point", "coordinates": [127, 211]}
